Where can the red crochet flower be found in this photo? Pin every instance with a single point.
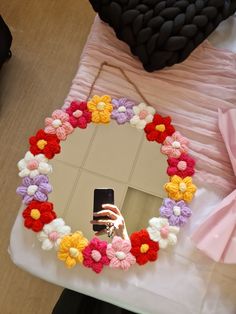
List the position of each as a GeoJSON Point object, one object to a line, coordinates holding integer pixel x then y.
{"type": "Point", "coordinates": [159, 129]}
{"type": "Point", "coordinates": [143, 248]}
{"type": "Point", "coordinates": [37, 214]}
{"type": "Point", "coordinates": [79, 114]}
{"type": "Point", "coordinates": [95, 256]}
{"type": "Point", "coordinates": [43, 143]}
{"type": "Point", "coordinates": [182, 166]}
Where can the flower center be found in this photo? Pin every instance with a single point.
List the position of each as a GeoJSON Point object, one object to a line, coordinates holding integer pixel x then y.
{"type": "Point", "coordinates": [177, 210]}
{"type": "Point", "coordinates": [77, 113]}
{"type": "Point", "coordinates": [122, 109]}
{"type": "Point", "coordinates": [41, 144]}
{"type": "Point", "coordinates": [120, 255]}
{"type": "Point", "coordinates": [33, 164]}
{"type": "Point", "coordinates": [143, 114]}
{"type": "Point", "coordinates": [96, 255]}
{"type": "Point", "coordinates": [73, 252]}
{"type": "Point", "coordinates": [56, 123]}
{"type": "Point", "coordinates": [176, 144]}
{"type": "Point", "coordinates": [182, 187]}
{"type": "Point", "coordinates": [35, 214]}
{"type": "Point", "coordinates": [182, 165]}
{"type": "Point", "coordinates": [164, 231]}
{"type": "Point", "coordinates": [144, 248]}
{"type": "Point", "coordinates": [160, 127]}
{"type": "Point", "coordinates": [32, 189]}
{"type": "Point", "coordinates": [53, 236]}
{"type": "Point", "coordinates": [101, 105]}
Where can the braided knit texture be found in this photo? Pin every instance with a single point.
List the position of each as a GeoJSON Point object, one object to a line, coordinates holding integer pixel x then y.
{"type": "Point", "coordinates": [162, 33]}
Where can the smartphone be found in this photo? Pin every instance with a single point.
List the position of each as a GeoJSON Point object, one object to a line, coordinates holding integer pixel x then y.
{"type": "Point", "coordinates": [101, 196]}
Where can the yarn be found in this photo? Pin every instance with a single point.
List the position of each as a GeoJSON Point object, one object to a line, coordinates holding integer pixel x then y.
{"type": "Point", "coordinates": [37, 214]}
{"type": "Point", "coordinates": [95, 256]}
{"type": "Point", "coordinates": [162, 33]}
{"type": "Point", "coordinates": [52, 233]}
{"type": "Point", "coordinates": [59, 124]}
{"type": "Point", "coordinates": [143, 248]}
{"type": "Point", "coordinates": [36, 188]}
{"type": "Point", "coordinates": [122, 110]}
{"type": "Point", "coordinates": [79, 115]}
{"type": "Point", "coordinates": [160, 231]}
{"type": "Point", "coordinates": [43, 143]}
{"type": "Point", "coordinates": [159, 129]}
{"type": "Point", "coordinates": [119, 254]}
{"type": "Point", "coordinates": [175, 145]}
{"type": "Point", "coordinates": [71, 247]}
{"type": "Point", "coordinates": [101, 108]}
{"type": "Point", "coordinates": [143, 114]}
{"type": "Point", "coordinates": [182, 166]}
{"type": "Point", "coordinates": [180, 189]}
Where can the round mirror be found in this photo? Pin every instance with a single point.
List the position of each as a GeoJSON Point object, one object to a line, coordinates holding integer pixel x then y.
{"type": "Point", "coordinates": [111, 156]}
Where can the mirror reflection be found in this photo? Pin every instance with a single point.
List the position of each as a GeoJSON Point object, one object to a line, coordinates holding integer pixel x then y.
{"type": "Point", "coordinates": [108, 156]}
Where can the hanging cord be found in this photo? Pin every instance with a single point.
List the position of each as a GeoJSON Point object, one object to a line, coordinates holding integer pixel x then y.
{"type": "Point", "coordinates": [124, 74]}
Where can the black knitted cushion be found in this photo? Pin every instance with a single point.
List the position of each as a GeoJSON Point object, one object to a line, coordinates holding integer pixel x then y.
{"type": "Point", "coordinates": [162, 33]}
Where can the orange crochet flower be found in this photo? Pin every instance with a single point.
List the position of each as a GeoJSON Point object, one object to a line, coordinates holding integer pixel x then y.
{"type": "Point", "coordinates": [101, 108]}
{"type": "Point", "coordinates": [180, 189]}
{"type": "Point", "coordinates": [71, 247]}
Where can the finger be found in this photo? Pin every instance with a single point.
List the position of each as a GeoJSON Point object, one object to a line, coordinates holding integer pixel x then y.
{"type": "Point", "coordinates": [113, 208]}
{"type": "Point", "coordinates": [101, 222]}
{"type": "Point", "coordinates": [107, 213]}
{"type": "Point", "coordinates": [102, 232]}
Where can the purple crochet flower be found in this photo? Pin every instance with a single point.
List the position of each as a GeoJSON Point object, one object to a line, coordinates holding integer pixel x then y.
{"type": "Point", "coordinates": [36, 188]}
{"type": "Point", "coordinates": [176, 212]}
{"type": "Point", "coordinates": [122, 110]}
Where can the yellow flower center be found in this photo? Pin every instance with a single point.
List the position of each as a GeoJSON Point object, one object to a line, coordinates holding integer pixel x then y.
{"type": "Point", "coordinates": [41, 144]}
{"type": "Point", "coordinates": [182, 187]}
{"type": "Point", "coordinates": [160, 127]}
{"type": "Point", "coordinates": [101, 106]}
{"type": "Point", "coordinates": [35, 214]}
{"type": "Point", "coordinates": [144, 248]}
{"type": "Point", "coordinates": [73, 252]}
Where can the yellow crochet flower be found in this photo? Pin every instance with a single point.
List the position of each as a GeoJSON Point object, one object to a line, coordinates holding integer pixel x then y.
{"type": "Point", "coordinates": [101, 108]}
{"type": "Point", "coordinates": [71, 247]}
{"type": "Point", "coordinates": [180, 189]}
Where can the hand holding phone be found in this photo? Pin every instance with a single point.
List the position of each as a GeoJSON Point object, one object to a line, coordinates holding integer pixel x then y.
{"type": "Point", "coordinates": [101, 196]}
{"type": "Point", "coordinates": [106, 214]}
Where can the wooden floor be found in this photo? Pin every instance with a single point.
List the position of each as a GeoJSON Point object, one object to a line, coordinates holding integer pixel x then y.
{"type": "Point", "coordinates": [49, 36]}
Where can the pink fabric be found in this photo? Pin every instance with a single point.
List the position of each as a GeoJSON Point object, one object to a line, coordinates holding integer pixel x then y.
{"type": "Point", "coordinates": [216, 237]}
{"type": "Point", "coordinates": [190, 93]}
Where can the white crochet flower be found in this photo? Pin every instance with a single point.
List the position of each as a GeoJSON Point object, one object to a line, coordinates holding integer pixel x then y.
{"type": "Point", "coordinates": [160, 231]}
{"type": "Point", "coordinates": [143, 114]}
{"type": "Point", "coordinates": [52, 234]}
{"type": "Point", "coordinates": [33, 165]}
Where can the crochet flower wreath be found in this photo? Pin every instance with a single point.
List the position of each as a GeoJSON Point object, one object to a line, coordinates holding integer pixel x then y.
{"type": "Point", "coordinates": [72, 247]}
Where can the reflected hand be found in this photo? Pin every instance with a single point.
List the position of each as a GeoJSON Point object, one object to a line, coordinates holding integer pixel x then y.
{"type": "Point", "coordinates": [114, 219]}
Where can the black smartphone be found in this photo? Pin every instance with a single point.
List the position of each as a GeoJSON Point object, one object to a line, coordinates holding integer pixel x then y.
{"type": "Point", "coordinates": [101, 196]}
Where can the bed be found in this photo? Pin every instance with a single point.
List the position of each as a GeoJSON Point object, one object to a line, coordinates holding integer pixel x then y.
{"type": "Point", "coordinates": [183, 280]}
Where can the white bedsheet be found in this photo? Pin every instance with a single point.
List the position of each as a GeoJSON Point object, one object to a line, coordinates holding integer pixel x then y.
{"type": "Point", "coordinates": [182, 281]}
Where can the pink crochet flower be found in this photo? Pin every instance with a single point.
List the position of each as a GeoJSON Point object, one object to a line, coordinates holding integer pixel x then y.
{"type": "Point", "coordinates": [175, 145]}
{"type": "Point", "coordinates": [79, 114]}
{"type": "Point", "coordinates": [59, 124]}
{"type": "Point", "coordinates": [95, 255]}
{"type": "Point", "coordinates": [119, 253]}
{"type": "Point", "coordinates": [182, 166]}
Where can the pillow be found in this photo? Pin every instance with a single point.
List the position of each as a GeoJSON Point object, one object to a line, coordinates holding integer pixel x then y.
{"type": "Point", "coordinates": [162, 33]}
